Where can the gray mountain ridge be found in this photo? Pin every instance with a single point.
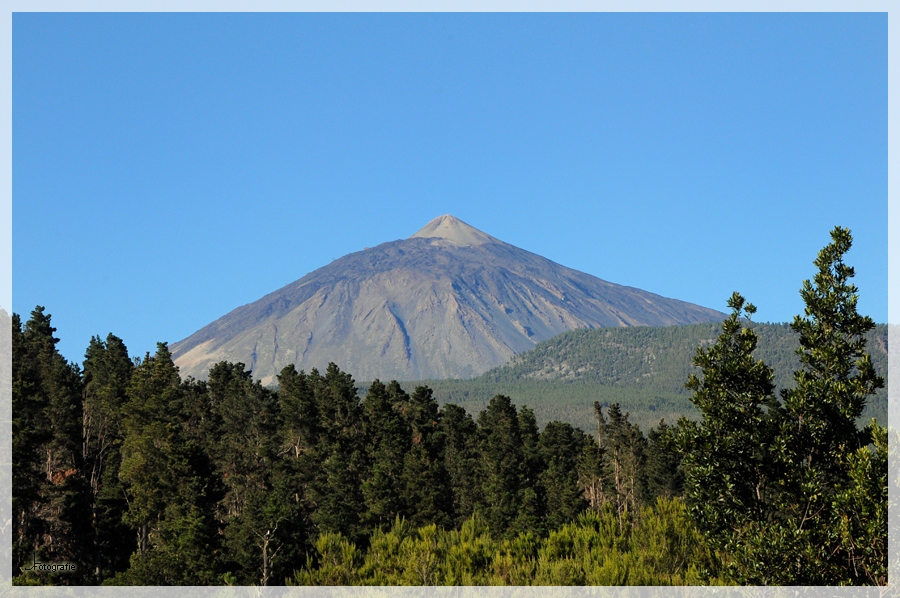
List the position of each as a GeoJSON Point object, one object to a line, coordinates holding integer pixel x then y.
{"type": "Point", "coordinates": [449, 302]}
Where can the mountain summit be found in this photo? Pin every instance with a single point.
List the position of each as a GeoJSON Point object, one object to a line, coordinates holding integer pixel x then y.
{"type": "Point", "coordinates": [450, 301]}
{"type": "Point", "coordinates": [454, 231]}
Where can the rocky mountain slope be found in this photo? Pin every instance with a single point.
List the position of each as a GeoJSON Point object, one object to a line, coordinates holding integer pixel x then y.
{"type": "Point", "coordinates": [450, 301]}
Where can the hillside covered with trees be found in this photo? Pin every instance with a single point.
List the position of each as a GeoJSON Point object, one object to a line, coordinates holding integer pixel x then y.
{"type": "Point", "coordinates": [128, 472]}
{"type": "Point", "coordinates": [643, 368]}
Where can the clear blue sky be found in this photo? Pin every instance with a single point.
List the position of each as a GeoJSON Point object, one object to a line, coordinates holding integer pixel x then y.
{"type": "Point", "coordinates": [168, 168]}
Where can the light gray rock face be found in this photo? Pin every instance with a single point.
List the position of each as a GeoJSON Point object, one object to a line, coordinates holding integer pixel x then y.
{"type": "Point", "coordinates": [449, 302]}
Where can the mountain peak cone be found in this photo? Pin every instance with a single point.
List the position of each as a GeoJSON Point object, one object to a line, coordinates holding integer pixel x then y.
{"type": "Point", "coordinates": [455, 231]}
{"type": "Point", "coordinates": [448, 302]}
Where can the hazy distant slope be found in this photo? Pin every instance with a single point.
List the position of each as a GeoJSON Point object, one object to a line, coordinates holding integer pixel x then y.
{"type": "Point", "coordinates": [450, 301]}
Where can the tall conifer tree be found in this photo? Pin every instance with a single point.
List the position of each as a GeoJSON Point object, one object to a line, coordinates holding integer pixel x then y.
{"type": "Point", "coordinates": [561, 446]}
{"type": "Point", "coordinates": [424, 481]}
{"type": "Point", "coordinates": [819, 437]}
{"type": "Point", "coordinates": [107, 373]}
{"type": "Point", "coordinates": [302, 446]}
{"type": "Point", "coordinates": [502, 464]}
{"type": "Point", "coordinates": [388, 442]}
{"type": "Point", "coordinates": [622, 446]}
{"type": "Point", "coordinates": [50, 494]}
{"type": "Point", "coordinates": [729, 471]}
{"type": "Point", "coordinates": [461, 461]}
{"type": "Point", "coordinates": [336, 489]}
{"type": "Point", "coordinates": [533, 508]}
{"type": "Point", "coordinates": [163, 475]}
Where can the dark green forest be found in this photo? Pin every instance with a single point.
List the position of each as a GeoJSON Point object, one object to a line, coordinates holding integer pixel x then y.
{"type": "Point", "coordinates": [137, 477]}
{"type": "Point", "coordinates": [641, 368]}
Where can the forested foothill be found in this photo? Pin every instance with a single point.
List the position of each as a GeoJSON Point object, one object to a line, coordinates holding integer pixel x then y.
{"type": "Point", "coordinates": [639, 366]}
{"type": "Point", "coordinates": [139, 477]}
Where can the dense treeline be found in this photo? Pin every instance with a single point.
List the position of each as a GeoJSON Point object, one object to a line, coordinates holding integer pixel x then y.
{"type": "Point", "coordinates": [139, 477]}
{"type": "Point", "coordinates": [129, 472]}
{"type": "Point", "coordinates": [569, 401]}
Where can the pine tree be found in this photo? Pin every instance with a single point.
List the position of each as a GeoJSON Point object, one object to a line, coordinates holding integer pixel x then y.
{"type": "Point", "coordinates": [729, 470]}
{"type": "Point", "coordinates": [461, 461]}
{"type": "Point", "coordinates": [622, 446]}
{"type": "Point", "coordinates": [28, 434]}
{"type": "Point", "coordinates": [502, 464]}
{"type": "Point", "coordinates": [663, 475]}
{"type": "Point", "coordinates": [424, 480]}
{"type": "Point", "coordinates": [591, 469]}
{"type": "Point", "coordinates": [561, 446]}
{"type": "Point", "coordinates": [166, 480]}
{"type": "Point", "coordinates": [835, 378]}
{"type": "Point", "coordinates": [51, 512]}
{"type": "Point", "coordinates": [301, 453]}
{"type": "Point", "coordinates": [388, 441]}
{"type": "Point", "coordinates": [533, 509]}
{"type": "Point", "coordinates": [818, 439]}
{"type": "Point", "coordinates": [336, 489]}
{"type": "Point", "coordinates": [260, 519]}
{"type": "Point", "coordinates": [244, 451]}
{"type": "Point", "coordinates": [299, 414]}
{"type": "Point", "coordinates": [107, 373]}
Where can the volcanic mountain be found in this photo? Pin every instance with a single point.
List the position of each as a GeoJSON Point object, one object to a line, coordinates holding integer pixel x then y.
{"type": "Point", "coordinates": [448, 302]}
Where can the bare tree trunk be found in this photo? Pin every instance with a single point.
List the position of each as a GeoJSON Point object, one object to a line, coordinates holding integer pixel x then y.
{"type": "Point", "coordinates": [265, 567]}
{"type": "Point", "coordinates": [618, 483]}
